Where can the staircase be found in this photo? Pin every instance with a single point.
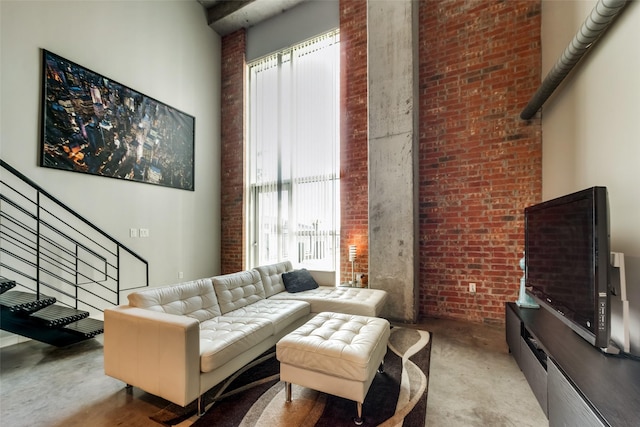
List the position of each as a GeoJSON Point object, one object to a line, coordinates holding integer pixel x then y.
{"type": "Point", "coordinates": [40, 318]}
{"type": "Point", "coordinates": [57, 268]}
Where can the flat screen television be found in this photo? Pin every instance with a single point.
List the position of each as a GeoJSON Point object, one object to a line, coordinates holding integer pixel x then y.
{"type": "Point", "coordinates": [567, 261]}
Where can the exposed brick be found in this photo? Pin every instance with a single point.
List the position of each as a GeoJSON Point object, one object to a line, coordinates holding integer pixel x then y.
{"type": "Point", "coordinates": [479, 164]}
{"type": "Point", "coordinates": [354, 135]}
{"type": "Point", "coordinates": [232, 152]}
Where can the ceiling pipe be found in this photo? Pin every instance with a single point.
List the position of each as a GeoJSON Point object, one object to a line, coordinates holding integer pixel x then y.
{"type": "Point", "coordinates": [596, 23]}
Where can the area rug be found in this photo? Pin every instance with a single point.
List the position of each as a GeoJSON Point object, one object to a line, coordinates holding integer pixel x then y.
{"type": "Point", "coordinates": [256, 397]}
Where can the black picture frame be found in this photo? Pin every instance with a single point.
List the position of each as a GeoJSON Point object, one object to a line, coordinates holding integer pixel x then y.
{"type": "Point", "coordinates": [94, 125]}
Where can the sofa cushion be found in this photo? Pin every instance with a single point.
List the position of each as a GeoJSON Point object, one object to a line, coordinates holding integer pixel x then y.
{"type": "Point", "coordinates": [223, 338]}
{"type": "Point", "coordinates": [271, 276]}
{"type": "Point", "coordinates": [358, 301]}
{"type": "Point", "coordinates": [195, 299]}
{"type": "Point", "coordinates": [298, 281]}
{"type": "Point", "coordinates": [237, 290]}
{"type": "Point", "coordinates": [281, 313]}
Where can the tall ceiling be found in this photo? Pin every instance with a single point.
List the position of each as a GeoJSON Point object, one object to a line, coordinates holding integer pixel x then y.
{"type": "Point", "coordinates": [227, 16]}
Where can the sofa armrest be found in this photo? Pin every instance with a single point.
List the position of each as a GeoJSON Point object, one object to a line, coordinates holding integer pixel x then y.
{"type": "Point", "coordinates": [157, 352]}
{"type": "Point", "coordinates": [324, 278]}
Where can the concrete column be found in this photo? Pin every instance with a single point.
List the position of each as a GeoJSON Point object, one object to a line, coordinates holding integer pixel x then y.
{"type": "Point", "coordinates": [392, 30]}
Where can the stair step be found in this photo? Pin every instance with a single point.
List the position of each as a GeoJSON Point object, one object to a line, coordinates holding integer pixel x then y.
{"type": "Point", "coordinates": [87, 328]}
{"type": "Point", "coordinates": [26, 326]}
{"type": "Point", "coordinates": [24, 302]}
{"type": "Point", "coordinates": [6, 284]}
{"type": "Point", "coordinates": [58, 315]}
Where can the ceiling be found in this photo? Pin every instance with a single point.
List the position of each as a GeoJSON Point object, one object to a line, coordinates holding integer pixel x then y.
{"type": "Point", "coordinates": [227, 16]}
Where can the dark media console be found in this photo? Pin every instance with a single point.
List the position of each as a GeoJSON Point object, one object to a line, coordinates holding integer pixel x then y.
{"type": "Point", "coordinates": [575, 383]}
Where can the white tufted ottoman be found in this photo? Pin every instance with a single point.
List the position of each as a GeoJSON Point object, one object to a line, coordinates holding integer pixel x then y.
{"type": "Point", "coordinates": [334, 353]}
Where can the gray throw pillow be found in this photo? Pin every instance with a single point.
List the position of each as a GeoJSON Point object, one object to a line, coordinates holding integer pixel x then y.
{"type": "Point", "coordinates": [298, 281]}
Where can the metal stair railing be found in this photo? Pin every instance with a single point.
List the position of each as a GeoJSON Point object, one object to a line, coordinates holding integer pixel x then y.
{"type": "Point", "coordinates": [46, 244]}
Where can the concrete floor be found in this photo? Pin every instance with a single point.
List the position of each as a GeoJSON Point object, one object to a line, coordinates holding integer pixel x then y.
{"type": "Point", "coordinates": [473, 382]}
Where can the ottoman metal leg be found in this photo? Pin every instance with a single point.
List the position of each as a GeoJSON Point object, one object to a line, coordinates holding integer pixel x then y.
{"type": "Point", "coordinates": [358, 420]}
{"type": "Point", "coordinates": [287, 387]}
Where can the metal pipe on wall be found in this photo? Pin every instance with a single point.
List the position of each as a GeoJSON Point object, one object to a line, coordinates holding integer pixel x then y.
{"type": "Point", "coordinates": [596, 23]}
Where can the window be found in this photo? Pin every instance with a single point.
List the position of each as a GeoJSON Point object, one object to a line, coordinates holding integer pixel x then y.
{"type": "Point", "coordinates": [293, 155]}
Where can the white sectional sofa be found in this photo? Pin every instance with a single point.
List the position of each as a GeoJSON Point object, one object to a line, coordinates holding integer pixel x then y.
{"type": "Point", "coordinates": [179, 341]}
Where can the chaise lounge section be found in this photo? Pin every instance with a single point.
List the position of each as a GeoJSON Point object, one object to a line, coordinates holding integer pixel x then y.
{"type": "Point", "coordinates": [179, 341]}
{"type": "Point", "coordinates": [358, 301]}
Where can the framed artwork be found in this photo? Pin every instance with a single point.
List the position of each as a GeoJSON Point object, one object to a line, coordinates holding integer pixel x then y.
{"type": "Point", "coordinates": [94, 125]}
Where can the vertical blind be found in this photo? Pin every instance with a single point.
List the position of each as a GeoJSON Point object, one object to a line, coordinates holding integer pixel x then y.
{"type": "Point", "coordinates": [293, 155]}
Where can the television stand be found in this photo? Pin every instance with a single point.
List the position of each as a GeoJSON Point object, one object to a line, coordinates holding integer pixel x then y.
{"type": "Point", "coordinates": [575, 383]}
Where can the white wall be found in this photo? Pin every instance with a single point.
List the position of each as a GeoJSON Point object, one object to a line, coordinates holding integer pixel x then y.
{"type": "Point", "coordinates": [163, 49]}
{"type": "Point", "coordinates": [304, 21]}
{"type": "Point", "coordinates": [591, 125]}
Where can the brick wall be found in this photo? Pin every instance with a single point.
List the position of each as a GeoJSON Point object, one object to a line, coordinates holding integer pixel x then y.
{"type": "Point", "coordinates": [354, 212]}
{"type": "Point", "coordinates": [232, 152]}
{"type": "Point", "coordinates": [353, 168]}
{"type": "Point", "coordinates": [480, 165]}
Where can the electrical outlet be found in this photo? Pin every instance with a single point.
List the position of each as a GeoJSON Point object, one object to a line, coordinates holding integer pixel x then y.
{"type": "Point", "coordinates": [133, 232]}
{"type": "Point", "coordinates": [472, 288]}
{"type": "Point", "coordinates": [180, 275]}
{"type": "Point", "coordinates": [144, 232]}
